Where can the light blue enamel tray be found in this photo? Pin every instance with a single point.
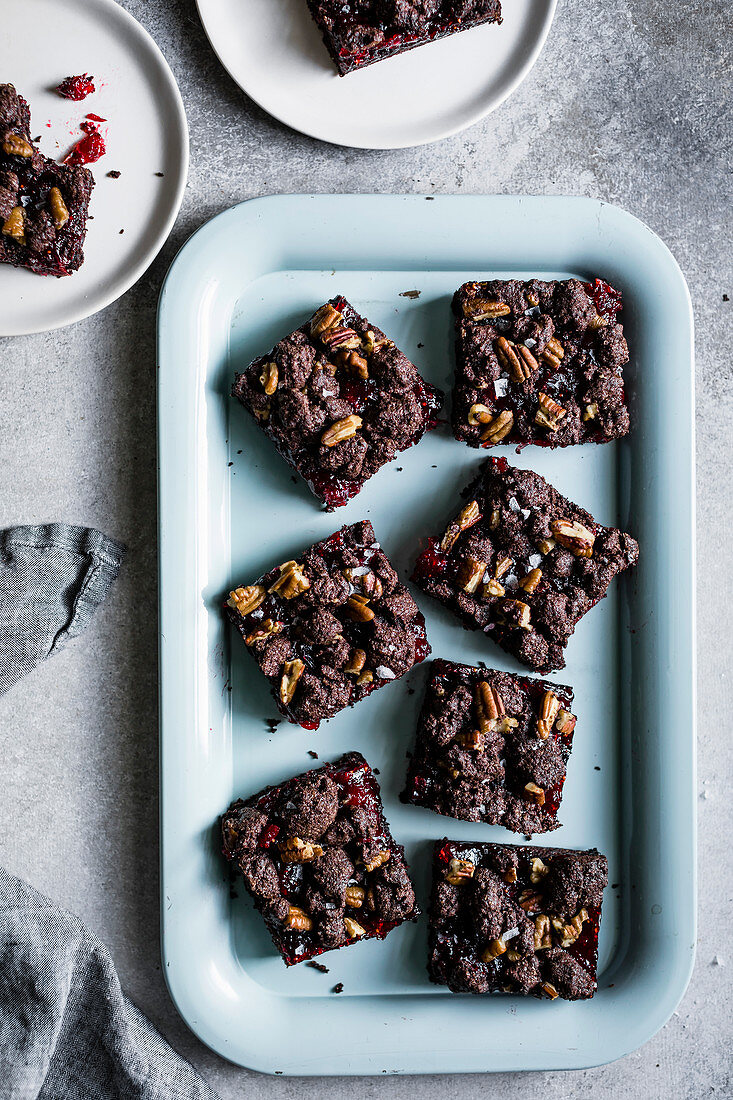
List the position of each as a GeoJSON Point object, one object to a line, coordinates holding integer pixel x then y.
{"type": "Point", "coordinates": [229, 509]}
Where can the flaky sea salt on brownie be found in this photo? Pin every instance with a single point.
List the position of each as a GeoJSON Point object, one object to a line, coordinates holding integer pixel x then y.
{"type": "Point", "coordinates": [492, 747]}
{"type": "Point", "coordinates": [319, 860]}
{"type": "Point", "coordinates": [539, 362]}
{"type": "Point", "coordinates": [523, 563]}
{"type": "Point", "coordinates": [360, 32]}
{"type": "Point", "coordinates": [43, 205]}
{"type": "Point", "coordinates": [515, 920]}
{"type": "Point", "coordinates": [331, 627]}
{"type": "Point", "coordinates": [338, 400]}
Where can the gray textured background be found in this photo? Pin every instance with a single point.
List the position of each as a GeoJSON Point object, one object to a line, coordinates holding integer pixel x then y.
{"type": "Point", "coordinates": [628, 103]}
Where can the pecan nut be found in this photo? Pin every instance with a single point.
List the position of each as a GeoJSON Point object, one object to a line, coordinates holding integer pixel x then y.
{"type": "Point", "coordinates": [535, 793]}
{"type": "Point", "coordinates": [470, 574]}
{"type": "Point", "coordinates": [14, 225]}
{"type": "Point", "coordinates": [247, 599]}
{"type": "Point", "coordinates": [493, 950]}
{"type": "Point", "coordinates": [459, 871]}
{"type": "Point", "coordinates": [295, 850]}
{"type": "Point", "coordinates": [59, 209]}
{"type": "Point", "coordinates": [498, 428]}
{"type": "Point", "coordinates": [299, 919]}
{"type": "Point", "coordinates": [291, 581]}
{"type": "Point", "coordinates": [466, 518]}
{"type": "Point", "coordinates": [269, 378]}
{"type": "Point", "coordinates": [516, 358]}
{"type": "Point", "coordinates": [266, 630]}
{"type": "Point", "coordinates": [292, 671]}
{"type": "Point", "coordinates": [574, 536]}
{"type": "Point", "coordinates": [377, 860]}
{"type": "Point", "coordinates": [342, 429]}
{"type": "Point", "coordinates": [324, 318]}
{"type": "Point", "coordinates": [358, 609]}
{"type": "Point", "coordinates": [531, 581]}
{"type": "Point", "coordinates": [353, 929]}
{"type": "Point", "coordinates": [485, 309]}
{"type": "Point", "coordinates": [17, 146]}
{"type": "Point", "coordinates": [548, 713]}
{"type": "Point", "coordinates": [553, 352]}
{"type": "Point", "coordinates": [549, 413]}
{"type": "Point", "coordinates": [479, 414]}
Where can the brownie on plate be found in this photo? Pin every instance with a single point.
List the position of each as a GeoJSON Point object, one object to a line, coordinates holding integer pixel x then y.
{"type": "Point", "coordinates": [492, 747]}
{"type": "Point", "coordinates": [515, 920]}
{"type": "Point", "coordinates": [523, 563]}
{"type": "Point", "coordinates": [319, 860]}
{"type": "Point", "coordinates": [338, 400]}
{"type": "Point", "coordinates": [360, 32]}
{"type": "Point", "coordinates": [329, 629]}
{"type": "Point", "coordinates": [539, 362]}
{"type": "Point", "coordinates": [43, 205]}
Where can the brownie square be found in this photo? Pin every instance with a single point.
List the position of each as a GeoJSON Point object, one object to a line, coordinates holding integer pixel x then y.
{"type": "Point", "coordinates": [360, 33]}
{"type": "Point", "coordinates": [319, 860]}
{"type": "Point", "coordinates": [329, 629]}
{"type": "Point", "coordinates": [43, 205]}
{"type": "Point", "coordinates": [492, 747]}
{"type": "Point", "coordinates": [523, 564]}
{"type": "Point", "coordinates": [515, 920]}
{"type": "Point", "coordinates": [539, 362]}
{"type": "Point", "coordinates": [338, 400]}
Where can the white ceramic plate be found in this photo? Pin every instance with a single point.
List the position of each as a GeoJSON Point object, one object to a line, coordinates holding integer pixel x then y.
{"type": "Point", "coordinates": [145, 133]}
{"type": "Point", "coordinates": [274, 51]}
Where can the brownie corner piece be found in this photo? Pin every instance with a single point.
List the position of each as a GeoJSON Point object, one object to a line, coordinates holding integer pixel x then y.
{"type": "Point", "coordinates": [330, 628]}
{"type": "Point", "coordinates": [43, 204]}
{"type": "Point", "coordinates": [539, 362]}
{"type": "Point", "coordinates": [492, 747]}
{"type": "Point", "coordinates": [523, 564]}
{"type": "Point", "coordinates": [357, 35]}
{"type": "Point", "coordinates": [319, 860]}
{"type": "Point", "coordinates": [522, 920]}
{"type": "Point", "coordinates": [338, 400]}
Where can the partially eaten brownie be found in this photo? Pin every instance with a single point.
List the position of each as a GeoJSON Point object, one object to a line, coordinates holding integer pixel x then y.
{"type": "Point", "coordinates": [43, 205]}
{"type": "Point", "coordinates": [338, 400]}
{"type": "Point", "coordinates": [360, 32]}
{"type": "Point", "coordinates": [539, 362]}
{"type": "Point", "coordinates": [523, 563]}
{"type": "Point", "coordinates": [329, 629]}
{"type": "Point", "coordinates": [516, 920]}
{"type": "Point", "coordinates": [319, 860]}
{"type": "Point", "coordinates": [492, 747]}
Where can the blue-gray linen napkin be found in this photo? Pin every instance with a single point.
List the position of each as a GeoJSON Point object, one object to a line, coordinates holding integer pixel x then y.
{"type": "Point", "coordinates": [67, 1031]}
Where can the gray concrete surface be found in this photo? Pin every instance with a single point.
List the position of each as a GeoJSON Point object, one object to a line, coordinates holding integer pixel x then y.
{"type": "Point", "coordinates": [629, 103]}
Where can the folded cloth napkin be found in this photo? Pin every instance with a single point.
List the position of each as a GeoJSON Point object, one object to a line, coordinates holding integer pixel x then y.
{"type": "Point", "coordinates": [52, 580]}
{"type": "Point", "coordinates": [67, 1032]}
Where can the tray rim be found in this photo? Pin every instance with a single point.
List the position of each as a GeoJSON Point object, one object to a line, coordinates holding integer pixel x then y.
{"type": "Point", "coordinates": [206, 243]}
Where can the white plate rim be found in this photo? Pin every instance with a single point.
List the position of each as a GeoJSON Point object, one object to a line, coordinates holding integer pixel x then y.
{"type": "Point", "coordinates": [218, 46]}
{"type": "Point", "coordinates": [93, 305]}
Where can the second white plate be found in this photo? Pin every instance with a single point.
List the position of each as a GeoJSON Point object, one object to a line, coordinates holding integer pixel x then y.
{"type": "Point", "coordinates": [274, 51]}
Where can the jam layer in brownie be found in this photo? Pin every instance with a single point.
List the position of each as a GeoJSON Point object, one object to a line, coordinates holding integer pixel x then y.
{"type": "Point", "coordinates": [319, 860]}
{"type": "Point", "coordinates": [492, 747]}
{"type": "Point", "coordinates": [515, 920]}
{"type": "Point", "coordinates": [523, 563]}
{"type": "Point", "coordinates": [329, 629]}
{"type": "Point", "coordinates": [338, 400]}
{"type": "Point", "coordinates": [539, 362]}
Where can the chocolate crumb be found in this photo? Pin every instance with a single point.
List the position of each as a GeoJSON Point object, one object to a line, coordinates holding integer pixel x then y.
{"type": "Point", "coordinates": [410, 294]}
{"type": "Point", "coordinates": [272, 723]}
{"type": "Point", "coordinates": [230, 463]}
{"type": "Point", "coordinates": [313, 754]}
{"type": "Point", "coordinates": [725, 296]}
{"type": "Point", "coordinates": [114, 175]}
{"type": "Point", "coordinates": [160, 174]}
{"type": "Point", "coordinates": [338, 988]}
{"type": "Point", "coordinates": [317, 966]}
